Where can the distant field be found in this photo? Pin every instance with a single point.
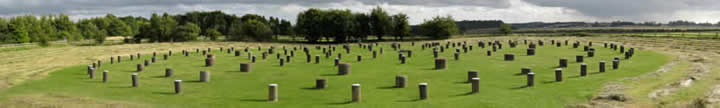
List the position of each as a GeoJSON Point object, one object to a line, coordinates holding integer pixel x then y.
{"type": "Point", "coordinates": [500, 84]}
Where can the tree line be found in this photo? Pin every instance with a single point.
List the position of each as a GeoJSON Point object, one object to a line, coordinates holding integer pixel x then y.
{"type": "Point", "coordinates": [314, 25]}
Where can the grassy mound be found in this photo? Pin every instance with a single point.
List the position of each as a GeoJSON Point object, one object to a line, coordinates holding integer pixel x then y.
{"type": "Point", "coordinates": [501, 86]}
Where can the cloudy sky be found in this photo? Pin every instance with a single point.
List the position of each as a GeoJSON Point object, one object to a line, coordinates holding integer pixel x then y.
{"type": "Point", "coordinates": [513, 11]}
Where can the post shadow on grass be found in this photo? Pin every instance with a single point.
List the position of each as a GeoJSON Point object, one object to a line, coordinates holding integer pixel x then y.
{"type": "Point", "coordinates": [311, 88]}
{"type": "Point", "coordinates": [549, 82]}
{"type": "Point", "coordinates": [576, 76]}
{"type": "Point", "coordinates": [335, 74]}
{"type": "Point", "coordinates": [164, 93]}
{"type": "Point", "coordinates": [463, 94]}
{"type": "Point", "coordinates": [342, 103]}
{"type": "Point", "coordinates": [195, 81]}
{"type": "Point", "coordinates": [387, 87]}
{"type": "Point", "coordinates": [412, 100]}
{"type": "Point", "coordinates": [597, 72]}
{"type": "Point", "coordinates": [254, 100]}
{"type": "Point", "coordinates": [520, 87]}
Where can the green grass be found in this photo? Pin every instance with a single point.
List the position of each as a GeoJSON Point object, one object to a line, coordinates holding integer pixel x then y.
{"type": "Point", "coordinates": [500, 87]}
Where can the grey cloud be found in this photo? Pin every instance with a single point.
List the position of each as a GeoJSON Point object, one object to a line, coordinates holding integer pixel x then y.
{"type": "Point", "coordinates": [62, 6]}
{"type": "Point", "coordinates": [610, 8]}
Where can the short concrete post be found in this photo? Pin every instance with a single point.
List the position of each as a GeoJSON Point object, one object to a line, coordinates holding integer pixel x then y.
{"type": "Point", "coordinates": [400, 81]}
{"type": "Point", "coordinates": [320, 83]}
{"type": "Point", "coordinates": [583, 69]}
{"type": "Point", "coordinates": [423, 91]}
{"type": "Point", "coordinates": [457, 56]}
{"type": "Point", "coordinates": [563, 62]}
{"type": "Point", "coordinates": [616, 64]}
{"type": "Point", "coordinates": [135, 80]}
{"type": "Point", "coordinates": [558, 74]}
{"type": "Point", "coordinates": [105, 76]}
{"type": "Point", "coordinates": [475, 84]}
{"type": "Point", "coordinates": [344, 68]}
{"type": "Point", "coordinates": [253, 59]}
{"type": "Point", "coordinates": [139, 67]}
{"type": "Point", "coordinates": [509, 57]}
{"type": "Point", "coordinates": [531, 51]}
{"type": "Point", "coordinates": [204, 76]}
{"type": "Point", "coordinates": [178, 86]}
{"type": "Point", "coordinates": [337, 61]}
{"type": "Point", "coordinates": [525, 70]}
{"type": "Point", "coordinates": [359, 58]}
{"type": "Point", "coordinates": [440, 63]}
{"type": "Point", "coordinates": [282, 62]}
{"type": "Point", "coordinates": [530, 79]}
{"type": "Point", "coordinates": [273, 92]}
{"type": "Point", "coordinates": [317, 59]}
{"type": "Point", "coordinates": [168, 72]}
{"type": "Point", "coordinates": [591, 53]}
{"type": "Point", "coordinates": [471, 74]}
{"type": "Point", "coordinates": [356, 95]}
{"type": "Point", "coordinates": [245, 67]}
{"type": "Point", "coordinates": [403, 59]}
{"type": "Point", "coordinates": [602, 66]}
{"type": "Point", "coordinates": [579, 58]}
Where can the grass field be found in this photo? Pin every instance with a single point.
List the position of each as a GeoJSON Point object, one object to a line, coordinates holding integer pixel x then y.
{"type": "Point", "coordinates": [500, 86]}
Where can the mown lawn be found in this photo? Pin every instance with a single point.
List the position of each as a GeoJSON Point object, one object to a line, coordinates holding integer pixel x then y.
{"type": "Point", "coordinates": [500, 84]}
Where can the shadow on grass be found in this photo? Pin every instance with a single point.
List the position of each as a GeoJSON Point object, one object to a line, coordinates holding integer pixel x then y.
{"type": "Point", "coordinates": [387, 87]}
{"type": "Point", "coordinates": [311, 88]}
{"type": "Point", "coordinates": [549, 82]}
{"type": "Point", "coordinates": [593, 73]}
{"type": "Point", "coordinates": [161, 76]}
{"type": "Point", "coordinates": [254, 100]}
{"type": "Point", "coordinates": [462, 82]}
{"type": "Point", "coordinates": [342, 103]}
{"type": "Point", "coordinates": [577, 76]}
{"type": "Point", "coordinates": [121, 87]}
{"type": "Point", "coordinates": [519, 74]}
{"type": "Point", "coordinates": [463, 94]}
{"type": "Point", "coordinates": [413, 100]}
{"type": "Point", "coordinates": [235, 71]}
{"type": "Point", "coordinates": [330, 75]}
{"type": "Point", "coordinates": [164, 93]}
{"type": "Point", "coordinates": [521, 87]}
{"type": "Point", "coordinates": [195, 81]}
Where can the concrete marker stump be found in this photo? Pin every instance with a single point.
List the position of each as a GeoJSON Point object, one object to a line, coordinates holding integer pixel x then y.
{"type": "Point", "coordinates": [616, 64]}
{"type": "Point", "coordinates": [475, 84]}
{"type": "Point", "coordinates": [525, 70]}
{"type": "Point", "coordinates": [135, 80]}
{"type": "Point", "coordinates": [601, 66]}
{"type": "Point", "coordinates": [440, 63]}
{"type": "Point", "coordinates": [423, 91]}
{"type": "Point", "coordinates": [563, 62]}
{"type": "Point", "coordinates": [105, 76]}
{"type": "Point", "coordinates": [139, 68]}
{"type": "Point", "coordinates": [558, 75]}
{"type": "Point", "coordinates": [169, 72]}
{"type": "Point", "coordinates": [531, 51]}
{"type": "Point", "coordinates": [273, 92]}
{"type": "Point", "coordinates": [204, 76]}
{"type": "Point", "coordinates": [471, 74]}
{"type": "Point", "coordinates": [320, 83]}
{"type": "Point", "coordinates": [583, 69]}
{"type": "Point", "coordinates": [530, 79]}
{"type": "Point", "coordinates": [400, 81]}
{"type": "Point", "coordinates": [509, 57]}
{"type": "Point", "coordinates": [343, 68]}
{"type": "Point", "coordinates": [178, 86]}
{"type": "Point", "coordinates": [245, 67]}
{"type": "Point", "coordinates": [579, 58]}
{"type": "Point", "coordinates": [356, 95]}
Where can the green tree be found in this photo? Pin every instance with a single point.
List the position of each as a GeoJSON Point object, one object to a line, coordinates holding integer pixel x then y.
{"type": "Point", "coordinates": [309, 24]}
{"type": "Point", "coordinates": [380, 22]}
{"type": "Point", "coordinates": [256, 30]}
{"type": "Point", "coordinates": [213, 34]}
{"type": "Point", "coordinates": [439, 27]}
{"type": "Point", "coordinates": [505, 29]}
{"type": "Point", "coordinates": [235, 33]}
{"type": "Point", "coordinates": [401, 27]}
{"type": "Point", "coordinates": [18, 27]}
{"type": "Point", "coordinates": [100, 36]}
{"type": "Point", "coordinates": [186, 32]}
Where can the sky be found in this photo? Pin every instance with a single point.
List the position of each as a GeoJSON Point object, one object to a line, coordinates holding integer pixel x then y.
{"type": "Point", "coordinates": [511, 11]}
